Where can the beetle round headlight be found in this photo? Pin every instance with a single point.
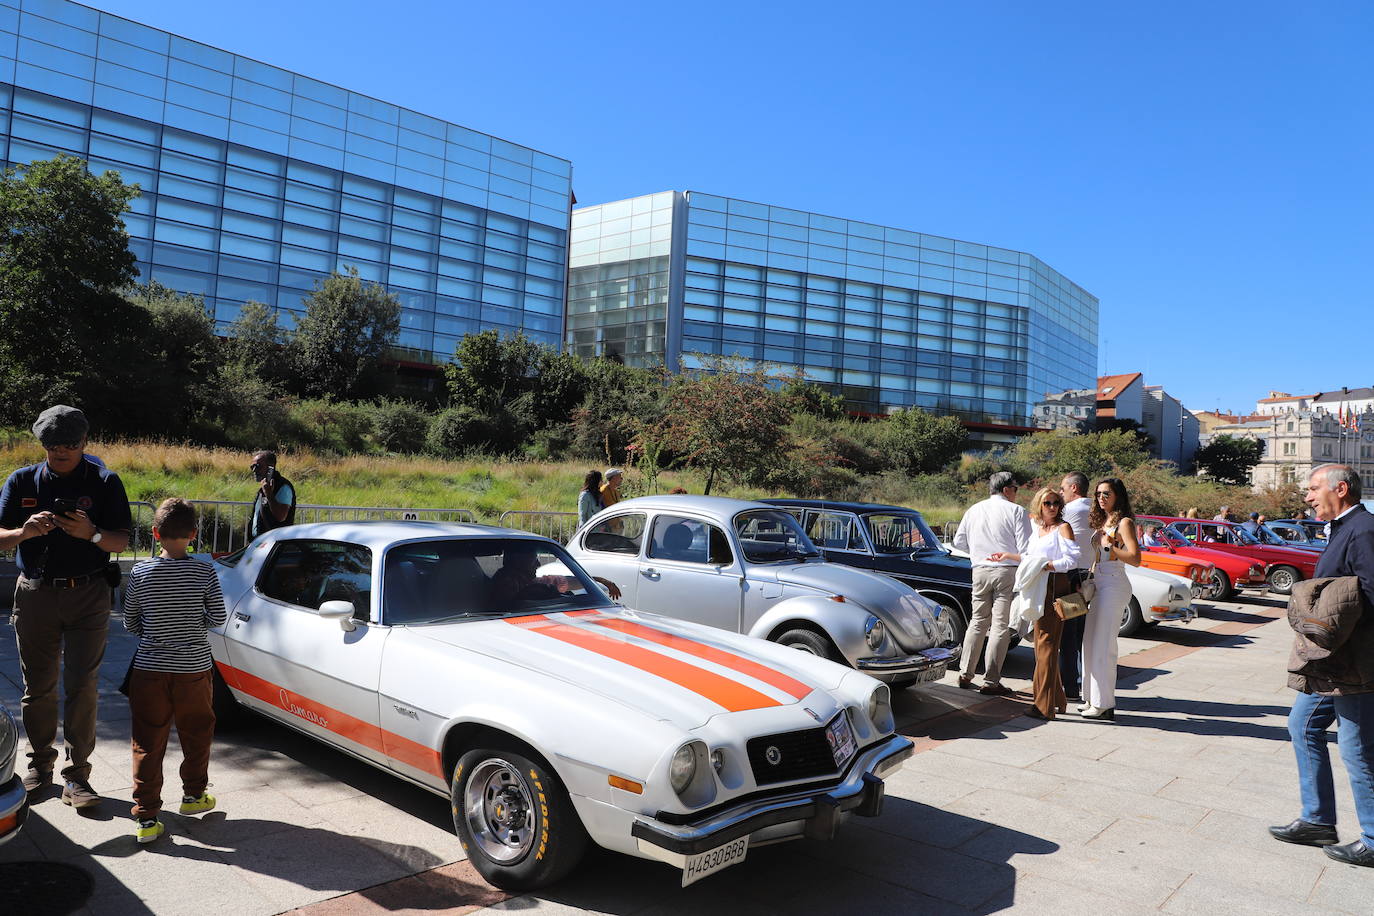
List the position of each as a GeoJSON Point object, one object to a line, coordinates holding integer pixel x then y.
{"type": "Point", "coordinates": [880, 709]}
{"type": "Point", "coordinates": [873, 632]}
{"type": "Point", "coordinates": [683, 768]}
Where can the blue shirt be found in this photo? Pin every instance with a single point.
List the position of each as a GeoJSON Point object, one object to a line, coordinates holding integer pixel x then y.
{"type": "Point", "coordinates": [30, 490]}
{"type": "Point", "coordinates": [1350, 551]}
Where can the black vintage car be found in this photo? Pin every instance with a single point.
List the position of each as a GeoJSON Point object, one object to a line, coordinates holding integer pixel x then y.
{"type": "Point", "coordinates": [895, 541]}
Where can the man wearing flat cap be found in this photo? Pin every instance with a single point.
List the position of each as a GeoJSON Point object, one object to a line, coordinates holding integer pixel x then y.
{"type": "Point", "coordinates": [66, 516]}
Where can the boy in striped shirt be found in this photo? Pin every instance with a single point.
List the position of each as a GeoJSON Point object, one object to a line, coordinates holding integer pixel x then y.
{"type": "Point", "coordinates": [170, 602]}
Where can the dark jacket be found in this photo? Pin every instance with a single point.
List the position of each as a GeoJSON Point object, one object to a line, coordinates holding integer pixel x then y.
{"type": "Point", "coordinates": [265, 520]}
{"type": "Point", "coordinates": [1333, 644]}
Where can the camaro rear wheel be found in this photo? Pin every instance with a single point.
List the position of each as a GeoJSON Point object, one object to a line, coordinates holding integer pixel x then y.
{"type": "Point", "coordinates": [811, 642]}
{"type": "Point", "coordinates": [1218, 587]}
{"type": "Point", "coordinates": [1282, 579]}
{"type": "Point", "coordinates": [515, 819]}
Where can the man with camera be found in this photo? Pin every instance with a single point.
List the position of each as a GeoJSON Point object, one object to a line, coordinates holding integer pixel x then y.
{"type": "Point", "coordinates": [274, 505]}
{"type": "Point", "coordinates": [66, 516]}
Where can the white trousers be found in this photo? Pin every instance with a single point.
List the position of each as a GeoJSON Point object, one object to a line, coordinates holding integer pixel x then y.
{"type": "Point", "coordinates": [1099, 634]}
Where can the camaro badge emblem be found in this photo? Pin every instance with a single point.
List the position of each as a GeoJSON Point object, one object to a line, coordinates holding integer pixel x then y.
{"type": "Point", "coordinates": [773, 755]}
{"type": "Point", "coordinates": [812, 713]}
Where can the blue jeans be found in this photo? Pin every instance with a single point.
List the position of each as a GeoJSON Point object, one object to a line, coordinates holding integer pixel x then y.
{"type": "Point", "coordinates": [1311, 716]}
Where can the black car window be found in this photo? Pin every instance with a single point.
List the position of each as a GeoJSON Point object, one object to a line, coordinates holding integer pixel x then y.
{"type": "Point", "coordinates": [619, 534]}
{"type": "Point", "coordinates": [307, 573]}
{"type": "Point", "coordinates": [834, 531]}
{"type": "Point", "coordinates": [452, 579]}
{"type": "Point", "coordinates": [900, 532]}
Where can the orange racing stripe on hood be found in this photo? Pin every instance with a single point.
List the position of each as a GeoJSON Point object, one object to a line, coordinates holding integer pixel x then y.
{"type": "Point", "coordinates": [717, 688]}
{"type": "Point", "coordinates": [788, 685]}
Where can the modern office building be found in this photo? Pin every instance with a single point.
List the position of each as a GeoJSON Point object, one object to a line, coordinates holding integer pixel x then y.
{"type": "Point", "coordinates": [886, 317]}
{"type": "Point", "coordinates": [257, 181]}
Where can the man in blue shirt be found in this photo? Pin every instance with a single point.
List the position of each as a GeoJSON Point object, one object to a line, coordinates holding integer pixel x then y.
{"type": "Point", "coordinates": [65, 516]}
{"type": "Point", "coordinates": [1334, 491]}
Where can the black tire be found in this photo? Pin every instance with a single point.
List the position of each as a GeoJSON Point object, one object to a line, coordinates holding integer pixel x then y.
{"type": "Point", "coordinates": [1282, 579]}
{"type": "Point", "coordinates": [812, 642]}
{"type": "Point", "coordinates": [902, 683]}
{"type": "Point", "coordinates": [1218, 587]}
{"type": "Point", "coordinates": [228, 712]}
{"type": "Point", "coordinates": [1131, 619]}
{"type": "Point", "coordinates": [530, 835]}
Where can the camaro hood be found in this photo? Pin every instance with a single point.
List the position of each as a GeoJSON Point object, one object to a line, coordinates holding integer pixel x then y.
{"type": "Point", "coordinates": [663, 668]}
{"type": "Point", "coordinates": [910, 617]}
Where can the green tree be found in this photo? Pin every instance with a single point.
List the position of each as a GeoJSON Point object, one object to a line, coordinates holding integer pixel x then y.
{"type": "Point", "coordinates": [338, 345]}
{"type": "Point", "coordinates": [922, 443]}
{"type": "Point", "coordinates": [64, 257]}
{"type": "Point", "coordinates": [727, 420]}
{"type": "Point", "coordinates": [1050, 455]}
{"type": "Point", "coordinates": [621, 403]}
{"type": "Point", "coordinates": [257, 343]}
{"type": "Point", "coordinates": [172, 382]}
{"type": "Point", "coordinates": [812, 399]}
{"type": "Point", "coordinates": [1230, 459]}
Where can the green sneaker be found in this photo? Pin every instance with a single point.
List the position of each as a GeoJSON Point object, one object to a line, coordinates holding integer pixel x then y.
{"type": "Point", "coordinates": [192, 805]}
{"type": "Point", "coordinates": [147, 831]}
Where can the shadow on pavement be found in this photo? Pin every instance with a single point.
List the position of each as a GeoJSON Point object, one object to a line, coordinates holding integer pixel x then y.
{"type": "Point", "coordinates": [911, 859]}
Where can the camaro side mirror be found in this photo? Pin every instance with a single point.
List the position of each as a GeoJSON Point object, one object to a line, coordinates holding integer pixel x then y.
{"type": "Point", "coordinates": [342, 611]}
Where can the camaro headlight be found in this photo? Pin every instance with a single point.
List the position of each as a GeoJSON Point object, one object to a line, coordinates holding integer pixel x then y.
{"type": "Point", "coordinates": [874, 632]}
{"type": "Point", "coordinates": [880, 709]}
{"type": "Point", "coordinates": [683, 768]}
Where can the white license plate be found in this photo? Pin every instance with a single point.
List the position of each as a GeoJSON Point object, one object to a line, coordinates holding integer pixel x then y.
{"type": "Point", "coordinates": [936, 655]}
{"type": "Point", "coordinates": [841, 738]}
{"type": "Point", "coordinates": [713, 860]}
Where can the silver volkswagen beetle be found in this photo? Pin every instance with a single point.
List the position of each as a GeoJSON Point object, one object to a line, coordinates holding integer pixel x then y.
{"type": "Point", "coordinates": [749, 567]}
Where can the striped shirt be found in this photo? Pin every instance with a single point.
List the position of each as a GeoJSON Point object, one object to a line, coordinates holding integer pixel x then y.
{"type": "Point", "coordinates": [170, 604]}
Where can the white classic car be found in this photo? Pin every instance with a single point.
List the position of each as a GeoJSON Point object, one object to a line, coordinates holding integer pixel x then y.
{"type": "Point", "coordinates": [548, 715]}
{"type": "Point", "coordinates": [749, 567]}
{"type": "Point", "coordinates": [14, 801]}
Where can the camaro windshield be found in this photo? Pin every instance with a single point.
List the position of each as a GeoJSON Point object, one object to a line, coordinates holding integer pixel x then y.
{"type": "Point", "coordinates": [457, 578]}
{"type": "Point", "coordinates": [894, 532]}
{"type": "Point", "coordinates": [770, 535]}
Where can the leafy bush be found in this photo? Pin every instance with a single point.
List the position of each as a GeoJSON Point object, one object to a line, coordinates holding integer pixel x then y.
{"type": "Point", "coordinates": [399, 426]}
{"type": "Point", "coordinates": [460, 431]}
{"type": "Point", "coordinates": [335, 427]}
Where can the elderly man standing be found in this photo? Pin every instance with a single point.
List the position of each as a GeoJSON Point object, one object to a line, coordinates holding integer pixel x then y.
{"type": "Point", "coordinates": [997, 525]}
{"type": "Point", "coordinates": [66, 516]}
{"type": "Point", "coordinates": [1347, 696]}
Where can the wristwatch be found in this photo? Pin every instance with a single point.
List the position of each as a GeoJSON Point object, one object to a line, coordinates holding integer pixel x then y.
{"type": "Point", "coordinates": [95, 538]}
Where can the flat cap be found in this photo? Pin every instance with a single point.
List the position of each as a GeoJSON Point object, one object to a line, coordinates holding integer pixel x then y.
{"type": "Point", "coordinates": [60, 425]}
{"type": "Point", "coordinates": [613, 472]}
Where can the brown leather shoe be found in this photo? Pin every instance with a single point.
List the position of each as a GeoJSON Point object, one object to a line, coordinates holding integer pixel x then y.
{"type": "Point", "coordinates": [996, 690]}
{"type": "Point", "coordinates": [79, 794]}
{"type": "Point", "coordinates": [965, 683]}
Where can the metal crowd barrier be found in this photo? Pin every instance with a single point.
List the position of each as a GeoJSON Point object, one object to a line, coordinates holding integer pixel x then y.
{"type": "Point", "coordinates": [557, 526]}
{"type": "Point", "coordinates": [224, 524]}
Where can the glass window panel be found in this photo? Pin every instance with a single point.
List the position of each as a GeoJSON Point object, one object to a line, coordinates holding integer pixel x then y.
{"type": "Point", "coordinates": [250, 135]}
{"type": "Point", "coordinates": [187, 189]}
{"type": "Point", "coordinates": [248, 246]}
{"type": "Point", "coordinates": [252, 203]}
{"type": "Point", "coordinates": [307, 258]}
{"type": "Point", "coordinates": [320, 134]}
{"type": "Point", "coordinates": [372, 129]}
{"type": "Point", "coordinates": [308, 194]}
{"type": "Point", "coordinates": [75, 58]}
{"type": "Point", "coordinates": [50, 108]}
{"type": "Point", "coordinates": [265, 74]}
{"type": "Point", "coordinates": [179, 234]}
{"type": "Point", "coordinates": [361, 187]}
{"type": "Point", "coordinates": [363, 228]}
{"type": "Point", "coordinates": [309, 216]}
{"type": "Point", "coordinates": [129, 55]}
{"type": "Point", "coordinates": [122, 150]}
{"type": "Point", "coordinates": [46, 132]}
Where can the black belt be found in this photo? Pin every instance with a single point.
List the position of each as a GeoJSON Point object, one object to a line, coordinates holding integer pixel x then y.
{"type": "Point", "coordinates": [67, 581]}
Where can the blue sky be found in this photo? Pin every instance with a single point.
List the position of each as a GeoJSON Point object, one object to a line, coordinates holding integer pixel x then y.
{"type": "Point", "coordinates": [1203, 168]}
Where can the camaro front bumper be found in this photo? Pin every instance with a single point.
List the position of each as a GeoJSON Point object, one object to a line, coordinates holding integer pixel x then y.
{"type": "Point", "coordinates": [814, 814]}
{"type": "Point", "coordinates": [14, 808]}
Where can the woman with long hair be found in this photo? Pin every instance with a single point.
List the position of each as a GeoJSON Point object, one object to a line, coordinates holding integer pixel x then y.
{"type": "Point", "coordinates": [1116, 545]}
{"type": "Point", "coordinates": [1053, 549]}
{"type": "Point", "coordinates": [589, 500]}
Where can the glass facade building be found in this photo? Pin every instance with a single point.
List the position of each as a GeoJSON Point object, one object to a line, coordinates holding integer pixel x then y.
{"type": "Point", "coordinates": [257, 181]}
{"type": "Point", "coordinates": [885, 317]}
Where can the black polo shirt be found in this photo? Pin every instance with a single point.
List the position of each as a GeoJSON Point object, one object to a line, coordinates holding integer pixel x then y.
{"type": "Point", "coordinates": [97, 490]}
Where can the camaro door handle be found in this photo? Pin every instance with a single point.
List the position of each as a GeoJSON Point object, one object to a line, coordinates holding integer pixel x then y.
{"type": "Point", "coordinates": [649, 572]}
{"type": "Point", "coordinates": [240, 615]}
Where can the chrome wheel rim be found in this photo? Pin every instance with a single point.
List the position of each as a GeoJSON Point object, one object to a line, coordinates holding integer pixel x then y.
{"type": "Point", "coordinates": [802, 647]}
{"type": "Point", "coordinates": [499, 811]}
{"type": "Point", "coordinates": [1282, 580]}
{"type": "Point", "coordinates": [1214, 588]}
{"type": "Point", "coordinates": [946, 627]}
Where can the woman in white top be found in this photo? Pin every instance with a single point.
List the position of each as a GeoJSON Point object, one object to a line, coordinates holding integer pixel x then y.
{"type": "Point", "coordinates": [1051, 541]}
{"type": "Point", "coordinates": [1116, 545]}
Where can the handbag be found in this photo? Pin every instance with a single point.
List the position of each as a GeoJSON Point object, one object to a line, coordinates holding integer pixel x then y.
{"type": "Point", "coordinates": [1071, 605]}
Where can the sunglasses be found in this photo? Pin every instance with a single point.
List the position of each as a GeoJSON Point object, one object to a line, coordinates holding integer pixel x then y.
{"type": "Point", "coordinates": [1104, 493]}
{"type": "Point", "coordinates": [1051, 502]}
{"type": "Point", "coordinates": [64, 447]}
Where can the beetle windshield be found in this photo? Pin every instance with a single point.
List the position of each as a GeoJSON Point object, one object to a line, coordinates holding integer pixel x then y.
{"type": "Point", "coordinates": [771, 535]}
{"type": "Point", "coordinates": [900, 532]}
{"type": "Point", "coordinates": [455, 578]}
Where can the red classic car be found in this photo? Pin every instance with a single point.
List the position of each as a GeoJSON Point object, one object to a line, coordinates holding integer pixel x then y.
{"type": "Point", "coordinates": [1230, 572]}
{"type": "Point", "coordinates": [1286, 566]}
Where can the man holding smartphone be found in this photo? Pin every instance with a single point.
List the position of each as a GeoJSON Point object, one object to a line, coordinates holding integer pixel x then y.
{"type": "Point", "coordinates": [274, 505]}
{"type": "Point", "coordinates": [66, 516]}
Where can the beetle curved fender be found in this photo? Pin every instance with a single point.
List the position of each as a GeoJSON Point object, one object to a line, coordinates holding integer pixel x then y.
{"type": "Point", "coordinates": [842, 621]}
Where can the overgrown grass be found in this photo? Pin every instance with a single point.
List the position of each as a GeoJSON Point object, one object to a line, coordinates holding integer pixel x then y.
{"type": "Point", "coordinates": [152, 471]}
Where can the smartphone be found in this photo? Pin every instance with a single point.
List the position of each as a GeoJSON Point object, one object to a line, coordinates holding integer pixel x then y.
{"type": "Point", "coordinates": [63, 506]}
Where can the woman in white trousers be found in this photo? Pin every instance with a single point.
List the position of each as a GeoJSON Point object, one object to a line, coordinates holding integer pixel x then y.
{"type": "Point", "coordinates": [1116, 545]}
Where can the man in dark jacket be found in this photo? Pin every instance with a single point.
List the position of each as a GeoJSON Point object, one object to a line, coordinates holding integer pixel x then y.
{"type": "Point", "coordinates": [274, 505]}
{"type": "Point", "coordinates": [1334, 492]}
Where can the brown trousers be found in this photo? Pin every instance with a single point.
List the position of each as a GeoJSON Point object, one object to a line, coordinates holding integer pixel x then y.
{"type": "Point", "coordinates": [157, 700]}
{"type": "Point", "coordinates": [61, 628]}
{"type": "Point", "coordinates": [1047, 687]}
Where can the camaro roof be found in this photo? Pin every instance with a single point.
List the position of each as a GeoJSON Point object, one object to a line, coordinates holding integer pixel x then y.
{"type": "Point", "coordinates": [840, 506]}
{"type": "Point", "coordinates": [381, 533]}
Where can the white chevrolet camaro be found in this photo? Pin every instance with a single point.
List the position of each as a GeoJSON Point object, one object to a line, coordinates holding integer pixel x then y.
{"type": "Point", "coordinates": [547, 714]}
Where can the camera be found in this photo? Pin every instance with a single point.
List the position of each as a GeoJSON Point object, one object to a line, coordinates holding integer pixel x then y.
{"type": "Point", "coordinates": [63, 506]}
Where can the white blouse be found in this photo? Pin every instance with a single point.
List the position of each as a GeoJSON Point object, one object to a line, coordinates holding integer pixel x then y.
{"type": "Point", "coordinates": [1060, 552]}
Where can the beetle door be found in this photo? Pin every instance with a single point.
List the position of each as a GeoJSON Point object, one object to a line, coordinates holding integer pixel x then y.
{"type": "Point", "coordinates": [690, 571]}
{"type": "Point", "coordinates": [294, 665]}
{"type": "Point", "coordinates": [611, 549]}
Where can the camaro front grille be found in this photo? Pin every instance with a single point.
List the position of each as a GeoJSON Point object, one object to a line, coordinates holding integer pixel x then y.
{"type": "Point", "coordinates": [787, 756]}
